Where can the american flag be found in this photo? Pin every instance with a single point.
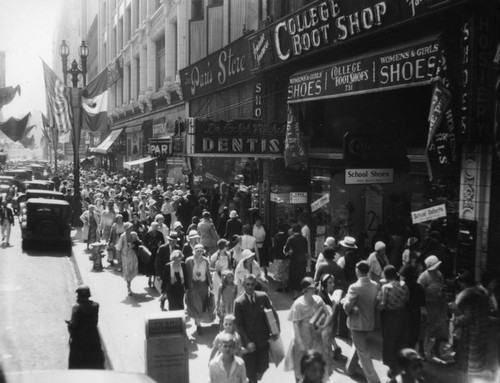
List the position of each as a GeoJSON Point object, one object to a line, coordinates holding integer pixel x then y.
{"type": "Point", "coordinates": [58, 105]}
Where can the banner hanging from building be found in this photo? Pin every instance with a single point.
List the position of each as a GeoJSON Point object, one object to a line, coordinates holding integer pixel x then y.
{"type": "Point", "coordinates": [242, 137]}
{"type": "Point", "coordinates": [441, 149]}
{"type": "Point", "coordinates": [295, 150]}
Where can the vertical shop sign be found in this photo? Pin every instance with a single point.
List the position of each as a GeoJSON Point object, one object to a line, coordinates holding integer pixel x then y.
{"type": "Point", "coordinates": [258, 105]}
{"type": "Point", "coordinates": [295, 151]}
{"type": "Point", "coordinates": [441, 143]}
{"type": "Point", "coordinates": [465, 75]}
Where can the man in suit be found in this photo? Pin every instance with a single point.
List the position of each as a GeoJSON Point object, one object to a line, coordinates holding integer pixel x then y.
{"type": "Point", "coordinates": [6, 221]}
{"type": "Point", "coordinates": [359, 304]}
{"type": "Point", "coordinates": [252, 326]}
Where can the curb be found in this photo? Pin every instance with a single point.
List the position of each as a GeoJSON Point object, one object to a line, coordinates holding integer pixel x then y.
{"type": "Point", "coordinates": [107, 360]}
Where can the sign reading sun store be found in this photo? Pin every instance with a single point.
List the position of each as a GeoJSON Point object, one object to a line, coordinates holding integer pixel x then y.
{"type": "Point", "coordinates": [328, 23]}
{"type": "Point", "coordinates": [228, 66]}
{"type": "Point", "coordinates": [244, 137]}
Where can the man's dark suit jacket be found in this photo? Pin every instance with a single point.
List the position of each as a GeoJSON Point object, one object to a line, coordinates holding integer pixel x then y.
{"type": "Point", "coordinates": [251, 321]}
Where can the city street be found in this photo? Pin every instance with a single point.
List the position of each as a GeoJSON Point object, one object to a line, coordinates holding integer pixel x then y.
{"type": "Point", "coordinates": [37, 292]}
{"type": "Point", "coordinates": [36, 295]}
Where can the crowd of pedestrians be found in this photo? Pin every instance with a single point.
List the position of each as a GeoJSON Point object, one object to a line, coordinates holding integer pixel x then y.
{"type": "Point", "coordinates": [214, 257]}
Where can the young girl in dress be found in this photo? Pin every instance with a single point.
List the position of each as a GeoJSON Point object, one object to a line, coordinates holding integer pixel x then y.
{"type": "Point", "coordinates": [227, 295]}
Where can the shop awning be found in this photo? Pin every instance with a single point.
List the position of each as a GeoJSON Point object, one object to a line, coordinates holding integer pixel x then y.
{"type": "Point", "coordinates": [129, 164]}
{"type": "Point", "coordinates": [108, 142]}
{"type": "Point", "coordinates": [410, 65]}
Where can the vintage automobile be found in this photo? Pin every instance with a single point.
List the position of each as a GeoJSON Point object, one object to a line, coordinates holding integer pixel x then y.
{"type": "Point", "coordinates": [39, 184]}
{"type": "Point", "coordinates": [22, 174]}
{"type": "Point", "coordinates": [77, 376]}
{"type": "Point", "coordinates": [46, 220]}
{"type": "Point", "coordinates": [19, 202]}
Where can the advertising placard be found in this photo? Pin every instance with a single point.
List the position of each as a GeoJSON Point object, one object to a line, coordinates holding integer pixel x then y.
{"type": "Point", "coordinates": [386, 70]}
{"type": "Point", "coordinates": [239, 137]}
{"type": "Point", "coordinates": [326, 24]}
{"type": "Point", "coordinates": [320, 202]}
{"type": "Point", "coordinates": [298, 197]}
{"type": "Point", "coordinates": [428, 214]}
{"type": "Point", "coordinates": [369, 176]}
{"type": "Point", "coordinates": [228, 66]}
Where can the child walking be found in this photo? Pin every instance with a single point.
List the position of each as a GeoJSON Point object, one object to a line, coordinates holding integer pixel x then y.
{"type": "Point", "coordinates": [228, 327]}
{"type": "Point", "coordinates": [226, 296]}
{"type": "Point", "coordinates": [226, 367]}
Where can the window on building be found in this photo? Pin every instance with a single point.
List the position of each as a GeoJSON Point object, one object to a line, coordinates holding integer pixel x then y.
{"type": "Point", "coordinates": [129, 83]}
{"type": "Point", "coordinates": [137, 16]}
{"type": "Point", "coordinates": [128, 25]}
{"type": "Point", "coordinates": [114, 49]}
{"type": "Point", "coordinates": [120, 35]}
{"type": "Point", "coordinates": [160, 62]}
{"type": "Point", "coordinates": [137, 78]}
{"type": "Point", "coordinates": [197, 10]}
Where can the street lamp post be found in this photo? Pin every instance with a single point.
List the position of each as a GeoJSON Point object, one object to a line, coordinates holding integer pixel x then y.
{"type": "Point", "coordinates": [76, 105]}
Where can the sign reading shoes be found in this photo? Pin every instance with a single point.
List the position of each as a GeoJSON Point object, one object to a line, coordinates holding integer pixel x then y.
{"type": "Point", "coordinates": [428, 214]}
{"type": "Point", "coordinates": [369, 176]}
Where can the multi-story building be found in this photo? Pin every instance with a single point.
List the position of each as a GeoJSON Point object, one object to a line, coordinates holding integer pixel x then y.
{"type": "Point", "coordinates": [370, 119]}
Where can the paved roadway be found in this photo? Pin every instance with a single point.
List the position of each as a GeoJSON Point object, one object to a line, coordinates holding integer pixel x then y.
{"type": "Point", "coordinates": [36, 294]}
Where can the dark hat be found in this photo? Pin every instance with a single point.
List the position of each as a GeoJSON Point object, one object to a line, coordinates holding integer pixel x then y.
{"type": "Point", "coordinates": [307, 283]}
{"type": "Point", "coordinates": [173, 236]}
{"type": "Point", "coordinates": [83, 291]}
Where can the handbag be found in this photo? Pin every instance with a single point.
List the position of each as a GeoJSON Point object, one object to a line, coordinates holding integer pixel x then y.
{"type": "Point", "coordinates": [143, 254]}
{"type": "Point", "coordinates": [276, 350]}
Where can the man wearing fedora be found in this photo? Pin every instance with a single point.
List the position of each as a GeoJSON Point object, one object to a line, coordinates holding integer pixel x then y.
{"type": "Point", "coordinates": [359, 304]}
{"type": "Point", "coordinates": [164, 251]}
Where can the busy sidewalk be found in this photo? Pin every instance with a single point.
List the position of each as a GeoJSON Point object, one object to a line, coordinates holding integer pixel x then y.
{"type": "Point", "coordinates": [122, 327]}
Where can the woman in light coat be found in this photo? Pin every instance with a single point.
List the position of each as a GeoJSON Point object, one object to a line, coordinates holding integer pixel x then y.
{"type": "Point", "coordinates": [91, 223]}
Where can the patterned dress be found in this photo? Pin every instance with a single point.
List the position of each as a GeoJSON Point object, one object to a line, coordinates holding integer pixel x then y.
{"type": "Point", "coordinates": [300, 313]}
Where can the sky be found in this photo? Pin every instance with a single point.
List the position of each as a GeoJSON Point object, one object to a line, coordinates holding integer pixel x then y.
{"type": "Point", "coordinates": [26, 31]}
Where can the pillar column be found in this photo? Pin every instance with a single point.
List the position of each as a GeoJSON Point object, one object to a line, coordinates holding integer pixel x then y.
{"type": "Point", "coordinates": [151, 63]}
{"type": "Point", "coordinates": [170, 51]}
{"type": "Point", "coordinates": [182, 38]}
{"type": "Point", "coordinates": [143, 68]}
{"type": "Point", "coordinates": [133, 79]}
{"type": "Point", "coordinates": [126, 83]}
{"type": "Point", "coordinates": [134, 20]}
{"type": "Point", "coordinates": [142, 11]}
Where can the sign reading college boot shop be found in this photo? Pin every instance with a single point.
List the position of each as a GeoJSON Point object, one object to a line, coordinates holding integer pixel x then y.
{"type": "Point", "coordinates": [415, 64]}
{"type": "Point", "coordinates": [228, 66]}
{"type": "Point", "coordinates": [328, 23]}
{"type": "Point", "coordinates": [245, 137]}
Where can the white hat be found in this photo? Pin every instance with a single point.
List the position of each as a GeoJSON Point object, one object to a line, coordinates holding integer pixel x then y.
{"type": "Point", "coordinates": [199, 246]}
{"type": "Point", "coordinates": [177, 224]}
{"type": "Point", "coordinates": [330, 242]}
{"type": "Point", "coordinates": [233, 214]}
{"type": "Point", "coordinates": [193, 234]}
{"type": "Point", "coordinates": [379, 246]}
{"type": "Point", "coordinates": [432, 262]}
{"type": "Point", "coordinates": [247, 253]}
{"type": "Point", "coordinates": [349, 242]}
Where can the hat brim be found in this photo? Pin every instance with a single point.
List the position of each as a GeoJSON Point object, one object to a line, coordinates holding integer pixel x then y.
{"type": "Point", "coordinates": [342, 243]}
{"type": "Point", "coordinates": [434, 266]}
{"type": "Point", "coordinates": [308, 287]}
{"type": "Point", "coordinates": [248, 256]}
{"type": "Point", "coordinates": [194, 236]}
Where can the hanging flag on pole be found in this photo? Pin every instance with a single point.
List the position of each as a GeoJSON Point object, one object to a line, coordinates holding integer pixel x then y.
{"type": "Point", "coordinates": [58, 105]}
{"type": "Point", "coordinates": [15, 128]}
{"type": "Point", "coordinates": [295, 151]}
{"type": "Point", "coordinates": [7, 94]}
{"type": "Point", "coordinates": [95, 98]}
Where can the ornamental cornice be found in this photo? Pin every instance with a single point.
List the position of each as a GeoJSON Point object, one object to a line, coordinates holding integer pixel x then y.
{"type": "Point", "coordinates": [157, 23]}
{"type": "Point", "coordinates": [170, 7]}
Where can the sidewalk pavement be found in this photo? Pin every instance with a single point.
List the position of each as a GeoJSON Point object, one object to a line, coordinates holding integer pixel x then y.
{"type": "Point", "coordinates": [122, 328]}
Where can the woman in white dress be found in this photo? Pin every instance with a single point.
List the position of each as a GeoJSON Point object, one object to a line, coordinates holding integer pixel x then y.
{"type": "Point", "coordinates": [248, 265]}
{"type": "Point", "coordinates": [127, 246]}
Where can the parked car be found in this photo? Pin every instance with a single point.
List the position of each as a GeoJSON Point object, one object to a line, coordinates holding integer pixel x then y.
{"type": "Point", "coordinates": [20, 174]}
{"type": "Point", "coordinates": [19, 202]}
{"type": "Point", "coordinates": [39, 184]}
{"type": "Point", "coordinates": [77, 376]}
{"type": "Point", "coordinates": [46, 220]}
